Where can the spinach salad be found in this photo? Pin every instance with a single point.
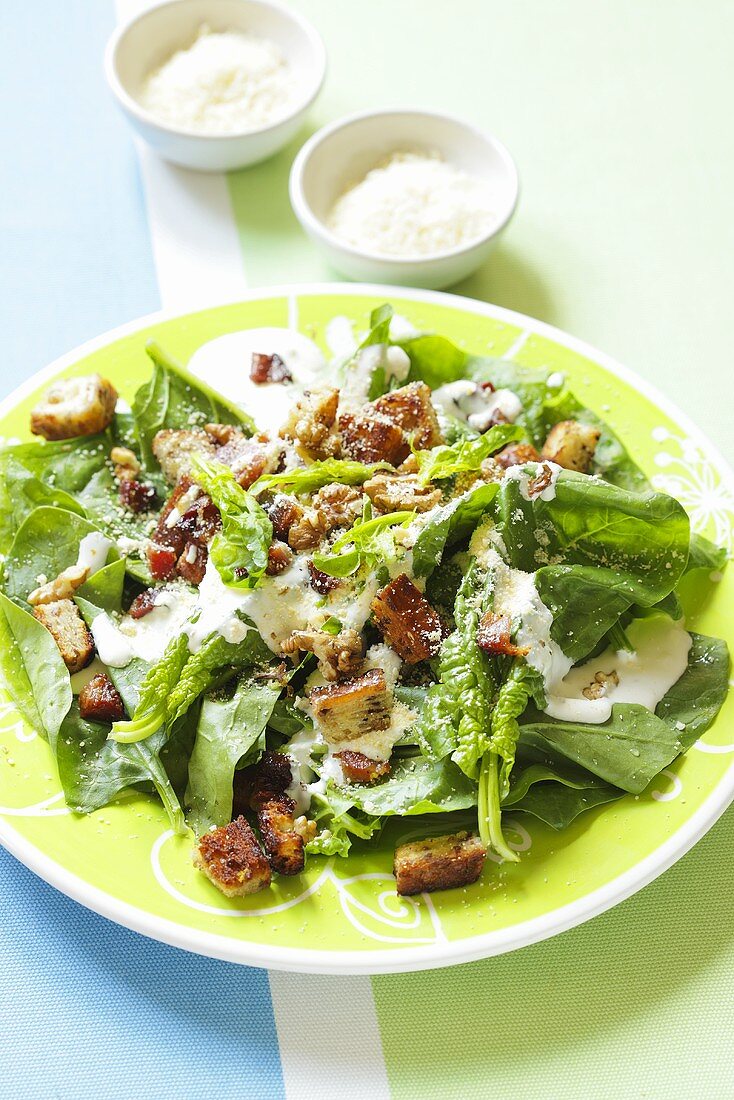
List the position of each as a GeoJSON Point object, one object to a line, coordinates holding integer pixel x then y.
{"type": "Point", "coordinates": [436, 587]}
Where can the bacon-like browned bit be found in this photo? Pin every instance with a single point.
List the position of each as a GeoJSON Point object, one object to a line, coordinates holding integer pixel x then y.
{"type": "Point", "coordinates": [136, 495]}
{"type": "Point", "coordinates": [279, 558]}
{"type": "Point", "coordinates": [515, 454]}
{"type": "Point", "coordinates": [268, 368]}
{"type": "Point", "coordinates": [411, 408]}
{"type": "Point", "coordinates": [191, 565]}
{"type": "Point", "coordinates": [438, 863]}
{"type": "Point", "coordinates": [359, 768]}
{"type": "Point", "coordinates": [494, 635]}
{"type": "Point", "coordinates": [232, 859]}
{"type": "Point", "coordinates": [322, 582]}
{"type": "Point", "coordinates": [161, 561]}
{"type": "Point", "coordinates": [351, 708]}
{"type": "Point", "coordinates": [282, 512]}
{"type": "Point", "coordinates": [407, 620]}
{"type": "Point", "coordinates": [542, 480]}
{"type": "Point", "coordinates": [143, 604]}
{"type": "Point", "coordinates": [572, 445]}
{"type": "Point", "coordinates": [100, 701]}
{"type": "Point", "coordinates": [64, 623]}
{"type": "Point", "coordinates": [371, 437]}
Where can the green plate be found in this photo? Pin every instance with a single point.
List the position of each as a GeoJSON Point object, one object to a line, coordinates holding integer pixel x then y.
{"type": "Point", "coordinates": [344, 916]}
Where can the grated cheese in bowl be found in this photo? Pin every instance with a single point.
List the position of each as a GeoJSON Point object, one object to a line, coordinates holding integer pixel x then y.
{"type": "Point", "coordinates": [413, 204]}
{"type": "Point", "coordinates": [225, 82]}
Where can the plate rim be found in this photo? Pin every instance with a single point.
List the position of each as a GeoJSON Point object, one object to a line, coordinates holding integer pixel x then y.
{"type": "Point", "coordinates": [443, 952]}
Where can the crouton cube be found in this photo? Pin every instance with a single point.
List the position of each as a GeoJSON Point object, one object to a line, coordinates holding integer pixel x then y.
{"type": "Point", "coordinates": [282, 843]}
{"type": "Point", "coordinates": [68, 629]}
{"type": "Point", "coordinates": [407, 620]}
{"type": "Point", "coordinates": [516, 454]}
{"type": "Point", "coordinates": [438, 863]}
{"type": "Point", "coordinates": [232, 859]}
{"type": "Point", "coordinates": [353, 707]}
{"type": "Point", "coordinates": [572, 445]}
{"type": "Point", "coordinates": [411, 408]}
{"type": "Point", "coordinates": [371, 437]}
{"type": "Point", "coordinates": [75, 406]}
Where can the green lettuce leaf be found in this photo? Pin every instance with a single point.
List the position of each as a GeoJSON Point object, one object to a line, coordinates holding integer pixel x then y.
{"type": "Point", "coordinates": [466, 456]}
{"type": "Point", "coordinates": [240, 549]}
{"type": "Point", "coordinates": [363, 544]}
{"type": "Point", "coordinates": [309, 479]}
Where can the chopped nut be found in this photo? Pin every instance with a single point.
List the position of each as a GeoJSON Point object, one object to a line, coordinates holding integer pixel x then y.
{"type": "Point", "coordinates": [338, 655]}
{"type": "Point", "coordinates": [311, 424]}
{"type": "Point", "coordinates": [308, 531]}
{"type": "Point", "coordinates": [125, 462]}
{"type": "Point", "coordinates": [305, 828]}
{"type": "Point", "coordinates": [62, 587]}
{"type": "Point", "coordinates": [599, 686]}
{"type": "Point", "coordinates": [338, 505]}
{"type": "Point", "coordinates": [495, 636]}
{"type": "Point", "coordinates": [407, 620]}
{"type": "Point", "coordinates": [395, 492]}
{"type": "Point", "coordinates": [438, 863]}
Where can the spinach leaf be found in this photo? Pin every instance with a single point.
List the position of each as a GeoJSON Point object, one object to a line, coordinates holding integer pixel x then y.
{"type": "Point", "coordinates": [450, 523]}
{"type": "Point", "coordinates": [287, 719]}
{"type": "Point", "coordinates": [415, 786]}
{"type": "Point", "coordinates": [35, 675]}
{"type": "Point", "coordinates": [47, 542]}
{"type": "Point", "coordinates": [66, 464]}
{"type": "Point", "coordinates": [557, 795]}
{"type": "Point", "coordinates": [434, 360]}
{"type": "Point", "coordinates": [240, 549]}
{"type": "Point", "coordinates": [20, 492]}
{"type": "Point", "coordinates": [104, 588]}
{"type": "Point", "coordinates": [174, 398]}
{"type": "Point", "coordinates": [698, 696]}
{"type": "Point", "coordinates": [229, 727]}
{"type": "Point", "coordinates": [466, 456]}
{"type": "Point", "coordinates": [706, 555]}
{"type": "Point", "coordinates": [100, 499]}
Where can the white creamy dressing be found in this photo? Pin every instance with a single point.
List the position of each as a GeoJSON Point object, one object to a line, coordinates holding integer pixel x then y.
{"type": "Point", "coordinates": [660, 658]}
{"type": "Point", "coordinates": [93, 551]}
{"type": "Point", "coordinates": [527, 472]}
{"type": "Point", "coordinates": [145, 638]}
{"type": "Point", "coordinates": [225, 363]}
{"type": "Point", "coordinates": [475, 405]}
{"type": "Point", "coordinates": [358, 372]}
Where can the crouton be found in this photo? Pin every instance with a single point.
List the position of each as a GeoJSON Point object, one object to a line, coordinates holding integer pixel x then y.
{"type": "Point", "coordinates": [75, 406]}
{"type": "Point", "coordinates": [359, 768]}
{"type": "Point", "coordinates": [100, 701]}
{"type": "Point", "coordinates": [407, 620]}
{"type": "Point", "coordinates": [515, 454]}
{"type": "Point", "coordinates": [339, 505]}
{"type": "Point", "coordinates": [338, 654]}
{"type": "Point", "coordinates": [174, 448]}
{"type": "Point", "coordinates": [232, 859]}
{"type": "Point", "coordinates": [572, 445]}
{"type": "Point", "coordinates": [438, 863]}
{"type": "Point", "coordinates": [371, 437]}
{"type": "Point", "coordinates": [353, 707]}
{"type": "Point", "coordinates": [395, 493]}
{"type": "Point", "coordinates": [311, 425]}
{"type": "Point", "coordinates": [281, 840]}
{"type": "Point", "coordinates": [494, 635]}
{"type": "Point", "coordinates": [62, 587]}
{"type": "Point", "coordinates": [68, 629]}
{"type": "Point", "coordinates": [411, 409]}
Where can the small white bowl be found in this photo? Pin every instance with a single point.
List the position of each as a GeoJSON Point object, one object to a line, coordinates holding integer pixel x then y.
{"type": "Point", "coordinates": [341, 154]}
{"type": "Point", "coordinates": [144, 43]}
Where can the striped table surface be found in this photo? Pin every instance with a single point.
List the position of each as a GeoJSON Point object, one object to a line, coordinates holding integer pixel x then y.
{"type": "Point", "coordinates": [638, 1002]}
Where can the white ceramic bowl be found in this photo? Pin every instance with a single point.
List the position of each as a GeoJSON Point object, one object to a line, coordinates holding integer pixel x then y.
{"type": "Point", "coordinates": [341, 154]}
{"type": "Point", "coordinates": [147, 41]}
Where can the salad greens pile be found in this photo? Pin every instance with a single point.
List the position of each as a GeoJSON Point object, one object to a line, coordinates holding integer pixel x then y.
{"type": "Point", "coordinates": [600, 553]}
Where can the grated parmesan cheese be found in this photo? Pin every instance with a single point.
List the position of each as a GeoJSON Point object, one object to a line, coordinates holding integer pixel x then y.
{"type": "Point", "coordinates": [223, 83]}
{"type": "Point", "coordinates": [413, 204]}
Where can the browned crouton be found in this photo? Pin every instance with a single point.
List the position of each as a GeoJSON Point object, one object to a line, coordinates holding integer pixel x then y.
{"type": "Point", "coordinates": [339, 505]}
{"type": "Point", "coordinates": [174, 447]}
{"type": "Point", "coordinates": [359, 768]}
{"type": "Point", "coordinates": [393, 493]}
{"type": "Point", "coordinates": [438, 863]}
{"type": "Point", "coordinates": [281, 840]}
{"type": "Point", "coordinates": [572, 445]}
{"type": "Point", "coordinates": [338, 654]}
{"type": "Point", "coordinates": [494, 635]}
{"type": "Point", "coordinates": [232, 859]}
{"type": "Point", "coordinates": [411, 409]}
{"type": "Point", "coordinates": [69, 631]}
{"type": "Point", "coordinates": [311, 424]}
{"type": "Point", "coordinates": [407, 620]}
{"type": "Point", "coordinates": [371, 437]}
{"type": "Point", "coordinates": [100, 701]}
{"type": "Point", "coordinates": [353, 707]}
{"type": "Point", "coordinates": [515, 454]}
{"type": "Point", "coordinates": [75, 406]}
